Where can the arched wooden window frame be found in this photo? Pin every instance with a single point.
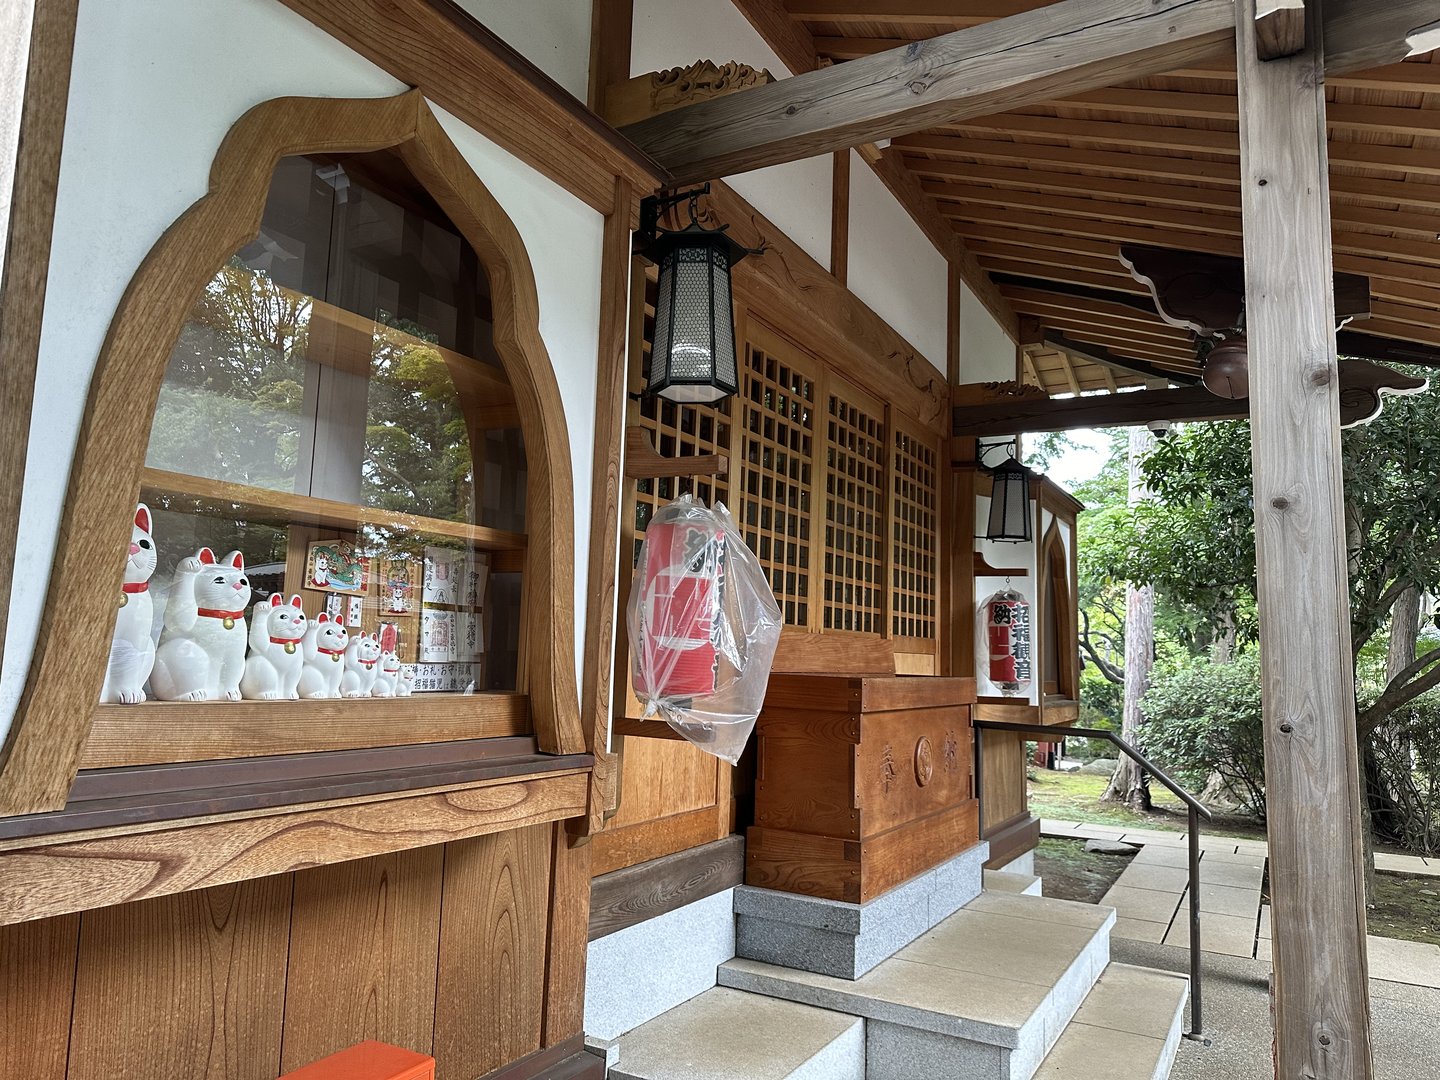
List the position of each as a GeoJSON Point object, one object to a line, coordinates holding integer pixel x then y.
{"type": "Point", "coordinates": [42, 751]}
{"type": "Point", "coordinates": [1057, 600]}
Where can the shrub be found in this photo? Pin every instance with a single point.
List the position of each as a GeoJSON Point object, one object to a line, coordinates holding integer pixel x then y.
{"type": "Point", "coordinates": [1205, 720]}
{"type": "Point", "coordinates": [1090, 749]}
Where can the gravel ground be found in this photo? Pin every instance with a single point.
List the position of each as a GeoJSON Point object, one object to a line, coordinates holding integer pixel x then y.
{"type": "Point", "coordinates": [1406, 1019]}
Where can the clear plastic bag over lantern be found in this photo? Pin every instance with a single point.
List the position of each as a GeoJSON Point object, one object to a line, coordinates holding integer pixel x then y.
{"type": "Point", "coordinates": [703, 627]}
{"type": "Point", "coordinates": [1002, 642]}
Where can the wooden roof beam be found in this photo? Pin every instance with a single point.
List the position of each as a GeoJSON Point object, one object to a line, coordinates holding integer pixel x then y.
{"type": "Point", "coordinates": [793, 44]}
{"type": "Point", "coordinates": [1364, 34]}
{"type": "Point", "coordinates": [958, 13]}
{"type": "Point", "coordinates": [1404, 78]}
{"type": "Point", "coordinates": [1279, 28]}
{"type": "Point", "coordinates": [1060, 50]}
{"type": "Point", "coordinates": [1127, 409]}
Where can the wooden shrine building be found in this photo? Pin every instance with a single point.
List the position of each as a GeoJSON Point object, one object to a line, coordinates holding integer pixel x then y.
{"type": "Point", "coordinates": [333, 313]}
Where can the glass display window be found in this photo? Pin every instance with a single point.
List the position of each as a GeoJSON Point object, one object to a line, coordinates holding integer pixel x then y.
{"type": "Point", "coordinates": [335, 411]}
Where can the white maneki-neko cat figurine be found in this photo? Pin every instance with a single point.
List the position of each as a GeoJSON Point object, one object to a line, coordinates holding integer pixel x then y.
{"type": "Point", "coordinates": [324, 654]}
{"type": "Point", "coordinates": [272, 670]}
{"type": "Point", "coordinates": [132, 650]}
{"type": "Point", "coordinates": [362, 661]}
{"type": "Point", "coordinates": [202, 645]}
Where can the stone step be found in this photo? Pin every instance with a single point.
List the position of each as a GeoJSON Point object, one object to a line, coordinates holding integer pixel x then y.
{"type": "Point", "coordinates": [1008, 881]}
{"type": "Point", "coordinates": [982, 996]}
{"type": "Point", "coordinates": [726, 1034]}
{"type": "Point", "coordinates": [1128, 1028]}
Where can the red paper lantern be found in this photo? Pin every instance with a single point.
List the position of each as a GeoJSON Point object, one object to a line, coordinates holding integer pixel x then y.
{"type": "Point", "coordinates": [1005, 618]}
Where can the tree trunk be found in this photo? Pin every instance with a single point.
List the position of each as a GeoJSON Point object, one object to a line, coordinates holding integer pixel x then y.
{"type": "Point", "coordinates": [1379, 805]}
{"type": "Point", "coordinates": [1130, 784]}
{"type": "Point", "coordinates": [1404, 632]}
{"type": "Point", "coordinates": [1222, 649]}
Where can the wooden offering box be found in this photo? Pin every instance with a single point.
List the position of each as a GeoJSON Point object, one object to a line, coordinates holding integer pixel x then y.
{"type": "Point", "coordinates": [861, 783]}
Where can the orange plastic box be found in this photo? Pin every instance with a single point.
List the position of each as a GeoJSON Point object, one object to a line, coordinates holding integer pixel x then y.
{"type": "Point", "coordinates": [369, 1060]}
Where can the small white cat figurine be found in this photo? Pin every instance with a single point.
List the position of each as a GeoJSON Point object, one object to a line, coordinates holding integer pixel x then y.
{"type": "Point", "coordinates": [132, 650]}
{"type": "Point", "coordinates": [387, 677]}
{"type": "Point", "coordinates": [272, 670]}
{"type": "Point", "coordinates": [202, 646]}
{"type": "Point", "coordinates": [361, 659]}
{"type": "Point", "coordinates": [405, 681]}
{"type": "Point", "coordinates": [324, 654]}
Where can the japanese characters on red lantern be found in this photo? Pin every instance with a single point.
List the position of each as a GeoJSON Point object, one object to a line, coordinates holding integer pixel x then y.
{"type": "Point", "coordinates": [1008, 663]}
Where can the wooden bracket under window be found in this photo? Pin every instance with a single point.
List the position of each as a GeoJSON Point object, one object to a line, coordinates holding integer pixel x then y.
{"type": "Point", "coordinates": [643, 462]}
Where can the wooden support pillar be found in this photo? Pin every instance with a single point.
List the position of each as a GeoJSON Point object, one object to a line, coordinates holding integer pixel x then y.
{"type": "Point", "coordinates": [1320, 990]}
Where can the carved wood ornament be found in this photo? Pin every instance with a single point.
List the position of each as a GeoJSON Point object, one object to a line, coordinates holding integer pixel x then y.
{"type": "Point", "coordinates": [660, 91]}
{"type": "Point", "coordinates": [924, 761]}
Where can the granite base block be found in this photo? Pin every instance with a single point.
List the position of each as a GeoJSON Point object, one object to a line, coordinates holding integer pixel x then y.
{"type": "Point", "coordinates": [898, 1052]}
{"type": "Point", "coordinates": [830, 937]}
{"type": "Point", "coordinates": [636, 974]}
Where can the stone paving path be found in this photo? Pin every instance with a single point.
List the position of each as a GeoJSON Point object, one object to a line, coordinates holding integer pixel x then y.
{"type": "Point", "coordinates": [1151, 902]}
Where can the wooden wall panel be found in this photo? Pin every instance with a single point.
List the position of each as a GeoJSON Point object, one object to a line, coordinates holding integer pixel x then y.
{"type": "Point", "coordinates": [663, 777]}
{"type": "Point", "coordinates": [363, 955]}
{"type": "Point", "coordinates": [473, 951]}
{"type": "Point", "coordinates": [37, 982]}
{"type": "Point", "coordinates": [490, 990]}
{"type": "Point", "coordinates": [188, 985]}
{"type": "Point", "coordinates": [1002, 796]}
{"type": "Point", "coordinates": [568, 941]}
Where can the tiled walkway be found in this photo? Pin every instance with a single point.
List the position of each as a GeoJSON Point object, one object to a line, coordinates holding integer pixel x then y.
{"type": "Point", "coordinates": [1151, 903]}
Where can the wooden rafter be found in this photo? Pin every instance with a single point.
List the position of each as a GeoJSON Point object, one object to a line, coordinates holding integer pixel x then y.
{"type": "Point", "coordinates": [943, 155]}
{"type": "Point", "coordinates": [1067, 48]}
{"type": "Point", "coordinates": [1204, 209]}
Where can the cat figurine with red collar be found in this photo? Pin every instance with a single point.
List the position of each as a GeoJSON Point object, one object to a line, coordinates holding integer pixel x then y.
{"type": "Point", "coordinates": [405, 680]}
{"type": "Point", "coordinates": [272, 670]}
{"type": "Point", "coordinates": [132, 649]}
{"type": "Point", "coordinates": [362, 661]}
{"type": "Point", "coordinates": [202, 645]}
{"type": "Point", "coordinates": [324, 654]}
{"type": "Point", "coordinates": [387, 675]}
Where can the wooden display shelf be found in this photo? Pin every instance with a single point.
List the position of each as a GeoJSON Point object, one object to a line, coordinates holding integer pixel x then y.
{"type": "Point", "coordinates": [285, 508]}
{"type": "Point", "coordinates": [163, 732]}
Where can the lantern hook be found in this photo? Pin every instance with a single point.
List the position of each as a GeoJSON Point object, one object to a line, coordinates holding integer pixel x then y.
{"type": "Point", "coordinates": [653, 206]}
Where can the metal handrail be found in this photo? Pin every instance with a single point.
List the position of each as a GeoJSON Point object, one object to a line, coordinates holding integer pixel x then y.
{"type": "Point", "coordinates": [1196, 810]}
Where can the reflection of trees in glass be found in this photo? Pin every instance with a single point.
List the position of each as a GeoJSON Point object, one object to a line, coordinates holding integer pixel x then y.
{"type": "Point", "coordinates": [231, 402]}
{"type": "Point", "coordinates": [417, 447]}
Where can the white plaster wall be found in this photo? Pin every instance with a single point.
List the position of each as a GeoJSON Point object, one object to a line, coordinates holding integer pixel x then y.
{"type": "Point", "coordinates": [156, 85]}
{"type": "Point", "coordinates": [554, 35]}
{"type": "Point", "coordinates": [670, 33]}
{"type": "Point", "coordinates": [986, 352]}
{"type": "Point", "coordinates": [893, 266]}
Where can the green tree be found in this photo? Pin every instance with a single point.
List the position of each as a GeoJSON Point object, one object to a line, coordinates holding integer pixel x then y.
{"type": "Point", "coordinates": [1195, 544]}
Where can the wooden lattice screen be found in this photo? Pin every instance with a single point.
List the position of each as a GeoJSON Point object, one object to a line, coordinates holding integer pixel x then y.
{"type": "Point", "coordinates": [854, 511]}
{"type": "Point", "coordinates": [778, 428]}
{"type": "Point", "coordinates": [678, 430]}
{"type": "Point", "coordinates": [834, 491]}
{"type": "Point", "coordinates": [914, 523]}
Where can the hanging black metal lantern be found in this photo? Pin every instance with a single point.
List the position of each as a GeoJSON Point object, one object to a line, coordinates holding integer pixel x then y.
{"type": "Point", "coordinates": [692, 356]}
{"type": "Point", "coordinates": [1010, 519]}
